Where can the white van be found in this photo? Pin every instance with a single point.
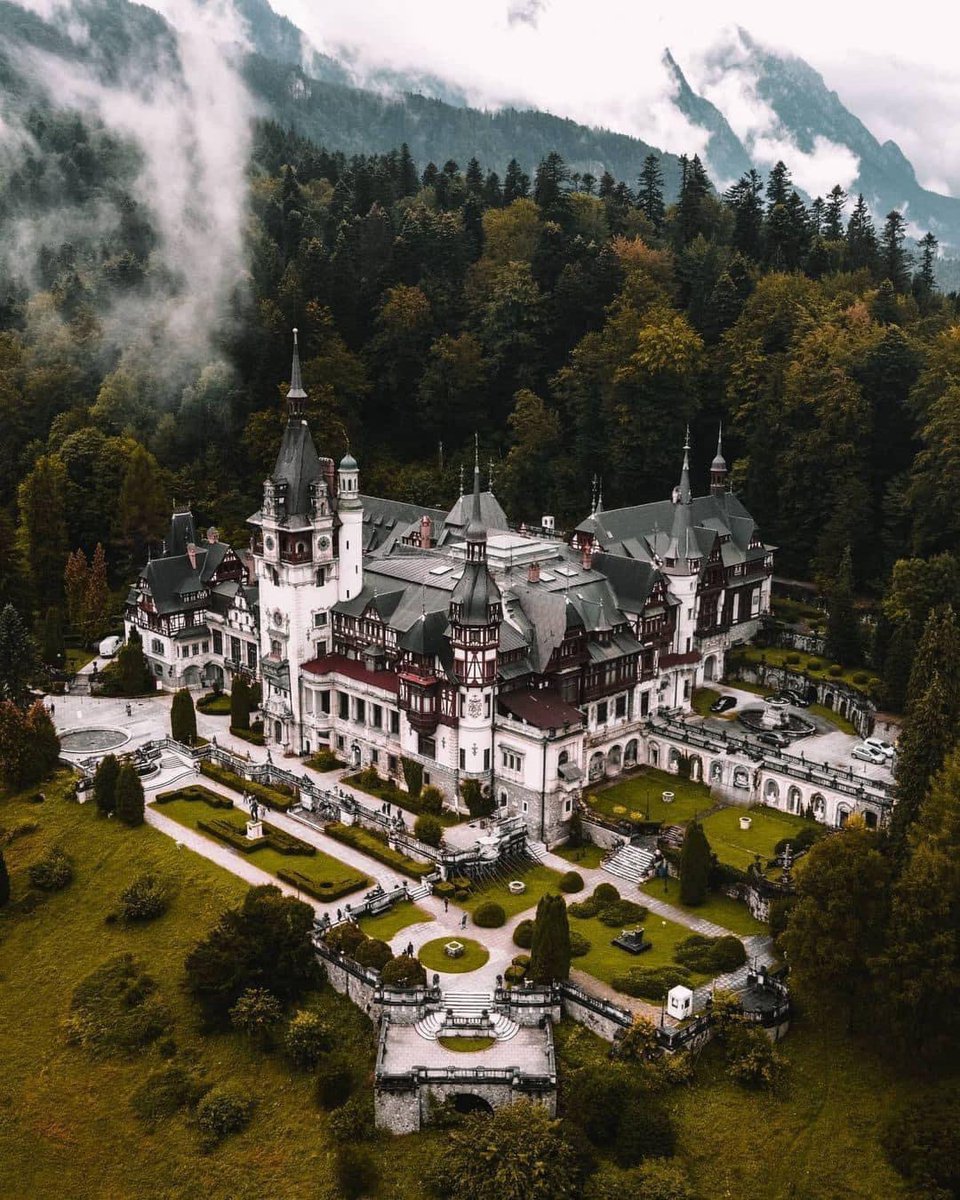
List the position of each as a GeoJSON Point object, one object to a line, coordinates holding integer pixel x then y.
{"type": "Point", "coordinates": [109, 646]}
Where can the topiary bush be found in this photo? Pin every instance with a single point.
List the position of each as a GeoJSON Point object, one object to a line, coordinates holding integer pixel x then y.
{"type": "Point", "coordinates": [650, 983]}
{"type": "Point", "coordinates": [622, 913]}
{"type": "Point", "coordinates": [514, 974]}
{"type": "Point", "coordinates": [489, 915]}
{"type": "Point", "coordinates": [835, 670]}
{"type": "Point", "coordinates": [605, 893]}
{"type": "Point", "coordinates": [52, 873]}
{"type": "Point", "coordinates": [373, 953]}
{"type": "Point", "coordinates": [431, 800]}
{"type": "Point", "coordinates": [428, 829]}
{"type": "Point", "coordinates": [792, 659]}
{"type": "Point", "coordinates": [145, 898]}
{"type": "Point", "coordinates": [520, 960]}
{"type": "Point", "coordinates": [584, 908]}
{"type": "Point", "coordinates": [404, 971]}
{"type": "Point", "coordinates": [711, 955]}
{"type": "Point", "coordinates": [814, 665]}
{"type": "Point", "coordinates": [222, 1111]}
{"type": "Point", "coordinates": [570, 882]}
{"type": "Point", "coordinates": [444, 890]}
{"type": "Point", "coordinates": [523, 934]}
{"type": "Point", "coordinates": [579, 945]}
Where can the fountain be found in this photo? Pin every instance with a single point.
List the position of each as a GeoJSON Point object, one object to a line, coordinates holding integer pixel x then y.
{"type": "Point", "coordinates": [776, 717]}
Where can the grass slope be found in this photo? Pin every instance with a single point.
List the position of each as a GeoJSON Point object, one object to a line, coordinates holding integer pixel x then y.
{"type": "Point", "coordinates": [605, 961]}
{"type": "Point", "coordinates": [722, 910]}
{"type": "Point", "coordinates": [643, 792]}
{"type": "Point", "coordinates": [539, 881]}
{"type": "Point", "coordinates": [66, 1127]}
{"type": "Point", "coordinates": [737, 846]}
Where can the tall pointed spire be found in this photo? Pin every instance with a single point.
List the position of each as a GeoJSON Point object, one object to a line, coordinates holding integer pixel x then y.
{"type": "Point", "coordinates": [685, 495]}
{"type": "Point", "coordinates": [475, 529]}
{"type": "Point", "coordinates": [718, 468]}
{"type": "Point", "coordinates": [295, 394]}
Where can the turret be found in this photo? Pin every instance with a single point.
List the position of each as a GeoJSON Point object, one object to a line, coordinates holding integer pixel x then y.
{"type": "Point", "coordinates": [718, 469]}
{"type": "Point", "coordinates": [350, 511]}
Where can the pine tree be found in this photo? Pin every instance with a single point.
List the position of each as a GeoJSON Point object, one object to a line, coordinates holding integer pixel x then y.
{"type": "Point", "coordinates": [843, 627]}
{"type": "Point", "coordinates": [96, 596]}
{"type": "Point", "coordinates": [492, 191]}
{"type": "Point", "coordinates": [51, 651]}
{"type": "Point", "coordinates": [929, 734]}
{"type": "Point", "coordinates": [550, 949]}
{"type": "Point", "coordinates": [938, 653]}
{"type": "Point", "coordinates": [133, 670]}
{"type": "Point", "coordinates": [925, 279]}
{"type": "Point", "coordinates": [239, 703]}
{"type": "Point", "coordinates": [650, 191]}
{"type": "Point", "coordinates": [549, 186]}
{"type": "Point", "coordinates": [744, 198]}
{"type": "Point", "coordinates": [142, 507]}
{"type": "Point", "coordinates": [861, 237]}
{"type": "Point", "coordinates": [183, 718]}
{"type": "Point", "coordinates": [76, 575]}
{"type": "Point", "coordinates": [833, 227]}
{"type": "Point", "coordinates": [894, 263]}
{"type": "Point", "coordinates": [779, 186]}
{"type": "Point", "coordinates": [43, 741]}
{"type": "Point", "coordinates": [129, 796]}
{"type": "Point", "coordinates": [105, 784]}
{"type": "Point", "coordinates": [692, 211]}
{"type": "Point", "coordinates": [18, 656]}
{"type": "Point", "coordinates": [694, 865]}
{"type": "Point", "coordinates": [516, 184]}
{"type": "Point", "coordinates": [4, 881]}
{"type": "Point", "coordinates": [883, 307]}
{"type": "Point", "coordinates": [474, 177]}
{"type": "Point", "coordinates": [407, 181]}
{"type": "Point", "coordinates": [42, 497]}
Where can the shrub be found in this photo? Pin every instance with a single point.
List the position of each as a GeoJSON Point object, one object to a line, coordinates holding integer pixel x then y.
{"type": "Point", "coordinates": [605, 893]}
{"type": "Point", "coordinates": [345, 937]}
{"type": "Point", "coordinates": [444, 890]}
{"type": "Point", "coordinates": [646, 1131]}
{"type": "Point", "coordinates": [814, 665]}
{"type": "Point", "coordinates": [129, 795]}
{"type": "Point", "coordinates": [165, 1092]}
{"type": "Point", "coordinates": [428, 829]}
{"type": "Point", "coordinates": [325, 760]}
{"type": "Point", "coordinates": [792, 658]}
{"type": "Point", "coordinates": [373, 953]}
{"type": "Point", "coordinates": [752, 1059]}
{"type": "Point", "coordinates": [274, 797]}
{"type": "Point", "coordinates": [523, 934]}
{"type": "Point", "coordinates": [835, 670]}
{"type": "Point", "coordinates": [307, 1039]}
{"type": "Point", "coordinates": [144, 899]}
{"type": "Point", "coordinates": [479, 801]}
{"type": "Point", "coordinates": [656, 1179]}
{"type": "Point", "coordinates": [514, 974]}
{"type": "Point", "coordinates": [215, 704]}
{"type": "Point", "coordinates": [369, 778]}
{"type": "Point", "coordinates": [622, 913]}
{"type": "Point", "coordinates": [334, 1081]}
{"type": "Point", "coordinates": [114, 1009]}
{"type": "Point", "coordinates": [579, 945]}
{"type": "Point", "coordinates": [570, 882]}
{"type": "Point", "coordinates": [52, 873]}
{"type": "Point", "coordinates": [575, 830]}
{"type": "Point", "coordinates": [356, 1172]}
{"type": "Point", "coordinates": [709, 955]}
{"type": "Point", "coordinates": [183, 718]}
{"type": "Point", "coordinates": [489, 915]}
{"type": "Point", "coordinates": [694, 865]}
{"type": "Point", "coordinates": [413, 776]}
{"type": "Point", "coordinates": [368, 842]}
{"type": "Point", "coordinates": [861, 677]}
{"type": "Point", "coordinates": [550, 953]}
{"type": "Point", "coordinates": [651, 983]}
{"type": "Point", "coordinates": [520, 960]}
{"type": "Point", "coordinates": [780, 914]}
{"type": "Point", "coordinates": [255, 1013]}
{"type": "Point", "coordinates": [221, 1112]}
{"type": "Point", "coordinates": [254, 735]}
{"type": "Point", "coordinates": [239, 704]}
{"type": "Point", "coordinates": [584, 908]}
{"type": "Point", "coordinates": [922, 1142]}
{"type": "Point", "coordinates": [431, 800]}
{"type": "Point", "coordinates": [105, 784]}
{"type": "Point", "coordinates": [353, 1121]}
{"type": "Point", "coordinates": [404, 971]}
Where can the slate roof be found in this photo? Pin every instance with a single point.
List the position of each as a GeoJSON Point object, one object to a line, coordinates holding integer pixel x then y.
{"type": "Point", "coordinates": [297, 466]}
{"type": "Point", "coordinates": [173, 576]}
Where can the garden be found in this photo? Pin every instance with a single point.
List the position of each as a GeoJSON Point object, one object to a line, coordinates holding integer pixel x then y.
{"type": "Point", "coordinates": [434, 956]}
{"type": "Point", "coordinates": [640, 798]}
{"type": "Point", "coordinates": [387, 925]}
{"type": "Point", "coordinates": [807, 664]}
{"type": "Point", "coordinates": [537, 881]}
{"type": "Point", "coordinates": [295, 862]}
{"type": "Point", "coordinates": [739, 847]}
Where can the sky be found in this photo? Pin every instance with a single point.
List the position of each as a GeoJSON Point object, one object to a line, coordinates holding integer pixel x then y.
{"type": "Point", "coordinates": [599, 62]}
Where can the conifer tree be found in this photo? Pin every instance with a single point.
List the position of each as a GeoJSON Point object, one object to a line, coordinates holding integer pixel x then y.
{"type": "Point", "coordinates": [96, 596]}
{"type": "Point", "coordinates": [694, 865]}
{"type": "Point", "coordinates": [925, 279]}
{"type": "Point", "coordinates": [52, 648]}
{"type": "Point", "coordinates": [105, 784]}
{"type": "Point", "coordinates": [4, 881]}
{"type": "Point", "coordinates": [861, 237]}
{"type": "Point", "coordinates": [516, 184]}
{"type": "Point", "coordinates": [133, 670]}
{"type": "Point", "coordinates": [407, 172]}
{"type": "Point", "coordinates": [692, 218]}
{"type": "Point", "coordinates": [42, 498]}
{"type": "Point", "coordinates": [843, 627]}
{"type": "Point", "coordinates": [744, 198]}
{"type": "Point", "coordinates": [650, 191]}
{"type": "Point", "coordinates": [894, 261]}
{"type": "Point", "coordinates": [550, 949]}
{"type": "Point", "coordinates": [18, 656]}
{"type": "Point", "coordinates": [76, 575]}
{"type": "Point", "coordinates": [183, 718]}
{"type": "Point", "coordinates": [239, 703]}
{"type": "Point", "coordinates": [833, 227]}
{"type": "Point", "coordinates": [129, 796]}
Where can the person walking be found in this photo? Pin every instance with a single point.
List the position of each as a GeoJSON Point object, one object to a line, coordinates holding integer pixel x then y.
{"type": "Point", "coordinates": [446, 904]}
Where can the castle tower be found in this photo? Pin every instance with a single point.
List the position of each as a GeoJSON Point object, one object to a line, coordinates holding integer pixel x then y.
{"type": "Point", "coordinates": [718, 469]}
{"type": "Point", "coordinates": [475, 614]}
{"type": "Point", "coordinates": [350, 511]}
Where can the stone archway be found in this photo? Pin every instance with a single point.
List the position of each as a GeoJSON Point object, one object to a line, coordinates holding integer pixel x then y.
{"type": "Point", "coordinates": [741, 778]}
{"type": "Point", "coordinates": [794, 800]}
{"type": "Point", "coordinates": [842, 707]}
{"type": "Point", "coordinates": [614, 759]}
{"type": "Point", "coordinates": [467, 1102]}
{"type": "Point", "coordinates": [673, 761]}
{"type": "Point", "coordinates": [630, 753]}
{"type": "Point", "coordinates": [771, 792]}
{"type": "Point", "coordinates": [828, 700]}
{"type": "Point", "coordinates": [709, 668]}
{"type": "Point", "coordinates": [696, 768]}
{"type": "Point", "coordinates": [191, 677]}
{"type": "Point", "coordinates": [653, 754]}
{"type": "Point", "coordinates": [843, 815]}
{"type": "Point", "coordinates": [819, 805]}
{"type": "Point", "coordinates": [355, 754]}
{"type": "Point", "coordinates": [716, 771]}
{"type": "Point", "coordinates": [278, 732]}
{"type": "Point", "coordinates": [595, 770]}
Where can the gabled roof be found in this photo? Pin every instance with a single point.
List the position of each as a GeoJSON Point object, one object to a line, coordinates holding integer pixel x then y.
{"type": "Point", "coordinates": [492, 515]}
{"type": "Point", "coordinates": [297, 466]}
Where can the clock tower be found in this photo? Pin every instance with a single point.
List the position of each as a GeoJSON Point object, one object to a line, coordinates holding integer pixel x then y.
{"type": "Point", "coordinates": [475, 614]}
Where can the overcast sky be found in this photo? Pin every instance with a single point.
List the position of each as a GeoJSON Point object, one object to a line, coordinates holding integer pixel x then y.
{"type": "Point", "coordinates": [598, 61]}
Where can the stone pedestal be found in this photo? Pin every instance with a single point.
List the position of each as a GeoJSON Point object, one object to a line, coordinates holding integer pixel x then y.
{"type": "Point", "coordinates": [254, 830]}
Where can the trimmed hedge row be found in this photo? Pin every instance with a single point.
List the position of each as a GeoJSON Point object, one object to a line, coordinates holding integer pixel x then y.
{"type": "Point", "coordinates": [276, 839]}
{"type": "Point", "coordinates": [195, 793]}
{"type": "Point", "coordinates": [272, 797]}
{"type": "Point", "coordinates": [254, 735]}
{"type": "Point", "coordinates": [321, 891]}
{"type": "Point", "coordinates": [368, 843]}
{"type": "Point", "coordinates": [215, 705]}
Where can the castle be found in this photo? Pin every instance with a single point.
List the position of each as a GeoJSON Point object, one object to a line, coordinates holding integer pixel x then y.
{"type": "Point", "coordinates": [385, 631]}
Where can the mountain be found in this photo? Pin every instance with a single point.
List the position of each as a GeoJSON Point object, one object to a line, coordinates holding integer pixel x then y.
{"type": "Point", "coordinates": [726, 154]}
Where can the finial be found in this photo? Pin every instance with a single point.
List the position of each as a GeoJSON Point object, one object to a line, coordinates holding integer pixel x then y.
{"type": "Point", "coordinates": [599, 508]}
{"type": "Point", "coordinates": [461, 481]}
{"type": "Point", "coordinates": [476, 453]}
{"type": "Point", "coordinates": [489, 474]}
{"type": "Point", "coordinates": [720, 440]}
{"type": "Point", "coordinates": [593, 494]}
{"type": "Point", "coordinates": [686, 440]}
{"type": "Point", "coordinates": [295, 393]}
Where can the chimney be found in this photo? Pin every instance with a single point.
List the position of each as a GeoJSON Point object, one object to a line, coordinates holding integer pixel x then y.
{"type": "Point", "coordinates": [213, 535]}
{"type": "Point", "coordinates": [425, 530]}
{"type": "Point", "coordinates": [586, 559]}
{"type": "Point", "coordinates": [533, 573]}
{"type": "Point", "coordinates": [192, 554]}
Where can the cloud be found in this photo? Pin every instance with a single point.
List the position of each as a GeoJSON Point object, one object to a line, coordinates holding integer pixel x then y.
{"type": "Point", "coordinates": [525, 12]}
{"type": "Point", "coordinates": [191, 121]}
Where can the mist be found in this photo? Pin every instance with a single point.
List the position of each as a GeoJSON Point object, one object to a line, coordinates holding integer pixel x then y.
{"type": "Point", "coordinates": [186, 110]}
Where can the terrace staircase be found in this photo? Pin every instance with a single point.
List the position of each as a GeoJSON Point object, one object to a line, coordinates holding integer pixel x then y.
{"type": "Point", "coordinates": [632, 863]}
{"type": "Point", "coordinates": [419, 893]}
{"type": "Point", "coordinates": [468, 1014]}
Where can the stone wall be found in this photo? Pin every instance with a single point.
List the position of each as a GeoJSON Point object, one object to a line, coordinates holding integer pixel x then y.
{"type": "Point", "coordinates": [605, 1020]}
{"type": "Point", "coordinates": [398, 1111]}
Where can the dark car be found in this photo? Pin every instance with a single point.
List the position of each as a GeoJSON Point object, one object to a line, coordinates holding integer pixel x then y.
{"type": "Point", "coordinates": [793, 697]}
{"type": "Point", "coordinates": [84, 784]}
{"type": "Point", "coordinates": [723, 704]}
{"type": "Point", "coordinates": [773, 739]}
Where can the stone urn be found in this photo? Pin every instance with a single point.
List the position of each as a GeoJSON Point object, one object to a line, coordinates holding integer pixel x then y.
{"type": "Point", "coordinates": [516, 887]}
{"type": "Point", "coordinates": [667, 797]}
{"type": "Point", "coordinates": [746, 822]}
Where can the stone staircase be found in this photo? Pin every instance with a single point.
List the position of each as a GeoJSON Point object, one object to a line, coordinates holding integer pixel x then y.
{"type": "Point", "coordinates": [536, 850]}
{"type": "Point", "coordinates": [630, 862]}
{"type": "Point", "coordinates": [463, 1013]}
{"type": "Point", "coordinates": [419, 893]}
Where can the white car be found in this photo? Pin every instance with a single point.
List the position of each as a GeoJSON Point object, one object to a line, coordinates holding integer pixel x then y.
{"type": "Point", "coordinates": [887, 749]}
{"type": "Point", "coordinates": [109, 646]}
{"type": "Point", "coordinates": [868, 754]}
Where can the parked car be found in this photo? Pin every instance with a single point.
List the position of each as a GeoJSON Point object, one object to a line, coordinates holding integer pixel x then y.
{"type": "Point", "coordinates": [109, 646]}
{"type": "Point", "coordinates": [773, 739]}
{"type": "Point", "coordinates": [887, 749]}
{"type": "Point", "coordinates": [723, 704]}
{"type": "Point", "coordinates": [867, 754]}
{"type": "Point", "coordinates": [789, 696]}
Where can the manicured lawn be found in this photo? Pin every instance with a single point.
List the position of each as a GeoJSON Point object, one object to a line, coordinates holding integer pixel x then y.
{"type": "Point", "coordinates": [642, 792]}
{"type": "Point", "coordinates": [702, 699]}
{"type": "Point", "coordinates": [67, 1128]}
{"type": "Point", "coordinates": [215, 705]}
{"type": "Point", "coordinates": [587, 855]}
{"type": "Point", "coordinates": [75, 660]}
{"type": "Point", "coordinates": [318, 868]}
{"type": "Point", "coordinates": [722, 910]}
{"type": "Point", "coordinates": [389, 924]}
{"type": "Point", "coordinates": [466, 1045]}
{"type": "Point", "coordinates": [776, 656]}
{"type": "Point", "coordinates": [399, 799]}
{"type": "Point", "coordinates": [433, 958]}
{"type": "Point", "coordinates": [737, 846]}
{"type": "Point", "coordinates": [605, 961]}
{"type": "Point", "coordinates": [539, 881]}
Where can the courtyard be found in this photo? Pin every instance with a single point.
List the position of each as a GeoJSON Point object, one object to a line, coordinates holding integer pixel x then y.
{"type": "Point", "coordinates": [639, 797]}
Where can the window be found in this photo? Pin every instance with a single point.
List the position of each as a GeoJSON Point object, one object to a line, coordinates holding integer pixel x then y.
{"type": "Point", "coordinates": [339, 741]}
{"type": "Point", "coordinates": [275, 648]}
{"type": "Point", "coordinates": [375, 757]}
{"type": "Point", "coordinates": [324, 702]}
{"type": "Point", "coordinates": [427, 746]}
{"type": "Point", "coordinates": [568, 806]}
{"type": "Point", "coordinates": [620, 706]}
{"type": "Point", "coordinates": [217, 642]}
{"type": "Point", "coordinates": [321, 577]}
{"type": "Point", "coordinates": [156, 647]}
{"type": "Point", "coordinates": [602, 713]}
{"type": "Point", "coordinates": [392, 764]}
{"type": "Point", "coordinates": [512, 761]}
{"type": "Point", "coordinates": [343, 709]}
{"type": "Point", "coordinates": [486, 760]}
{"type": "Point", "coordinates": [426, 778]}
{"type": "Point", "coordinates": [360, 714]}
{"type": "Point", "coordinates": [686, 689]}
{"type": "Point", "coordinates": [319, 620]}
{"type": "Point", "coordinates": [251, 656]}
{"type": "Point", "coordinates": [307, 700]}
{"type": "Point", "coordinates": [195, 649]}
{"type": "Point", "coordinates": [157, 669]}
{"type": "Point", "coordinates": [394, 721]}
{"type": "Point", "coordinates": [503, 799]}
{"type": "Point", "coordinates": [206, 647]}
{"type": "Point", "coordinates": [376, 716]}
{"type": "Point", "coordinates": [463, 760]}
{"type": "Point", "coordinates": [644, 704]}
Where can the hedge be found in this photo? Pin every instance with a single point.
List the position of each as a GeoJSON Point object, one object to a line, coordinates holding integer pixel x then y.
{"type": "Point", "coordinates": [318, 890]}
{"type": "Point", "coordinates": [276, 839]}
{"type": "Point", "coordinates": [368, 843]}
{"type": "Point", "coordinates": [489, 915]}
{"type": "Point", "coordinates": [571, 881]}
{"type": "Point", "coordinates": [272, 797]}
{"type": "Point", "coordinates": [651, 983]}
{"type": "Point", "coordinates": [215, 705]}
{"type": "Point", "coordinates": [194, 793]}
{"type": "Point", "coordinates": [254, 735]}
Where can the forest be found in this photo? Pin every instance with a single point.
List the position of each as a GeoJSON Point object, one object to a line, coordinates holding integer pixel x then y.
{"type": "Point", "coordinates": [577, 324]}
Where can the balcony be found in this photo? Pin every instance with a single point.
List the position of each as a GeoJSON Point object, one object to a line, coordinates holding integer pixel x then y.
{"type": "Point", "coordinates": [296, 557]}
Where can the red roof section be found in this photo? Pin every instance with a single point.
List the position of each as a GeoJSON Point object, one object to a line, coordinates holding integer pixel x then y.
{"type": "Point", "coordinates": [543, 709]}
{"type": "Point", "coordinates": [350, 668]}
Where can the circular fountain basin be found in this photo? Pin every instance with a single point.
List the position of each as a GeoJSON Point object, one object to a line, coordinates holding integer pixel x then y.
{"type": "Point", "coordinates": [92, 741]}
{"type": "Point", "coordinates": [762, 720]}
